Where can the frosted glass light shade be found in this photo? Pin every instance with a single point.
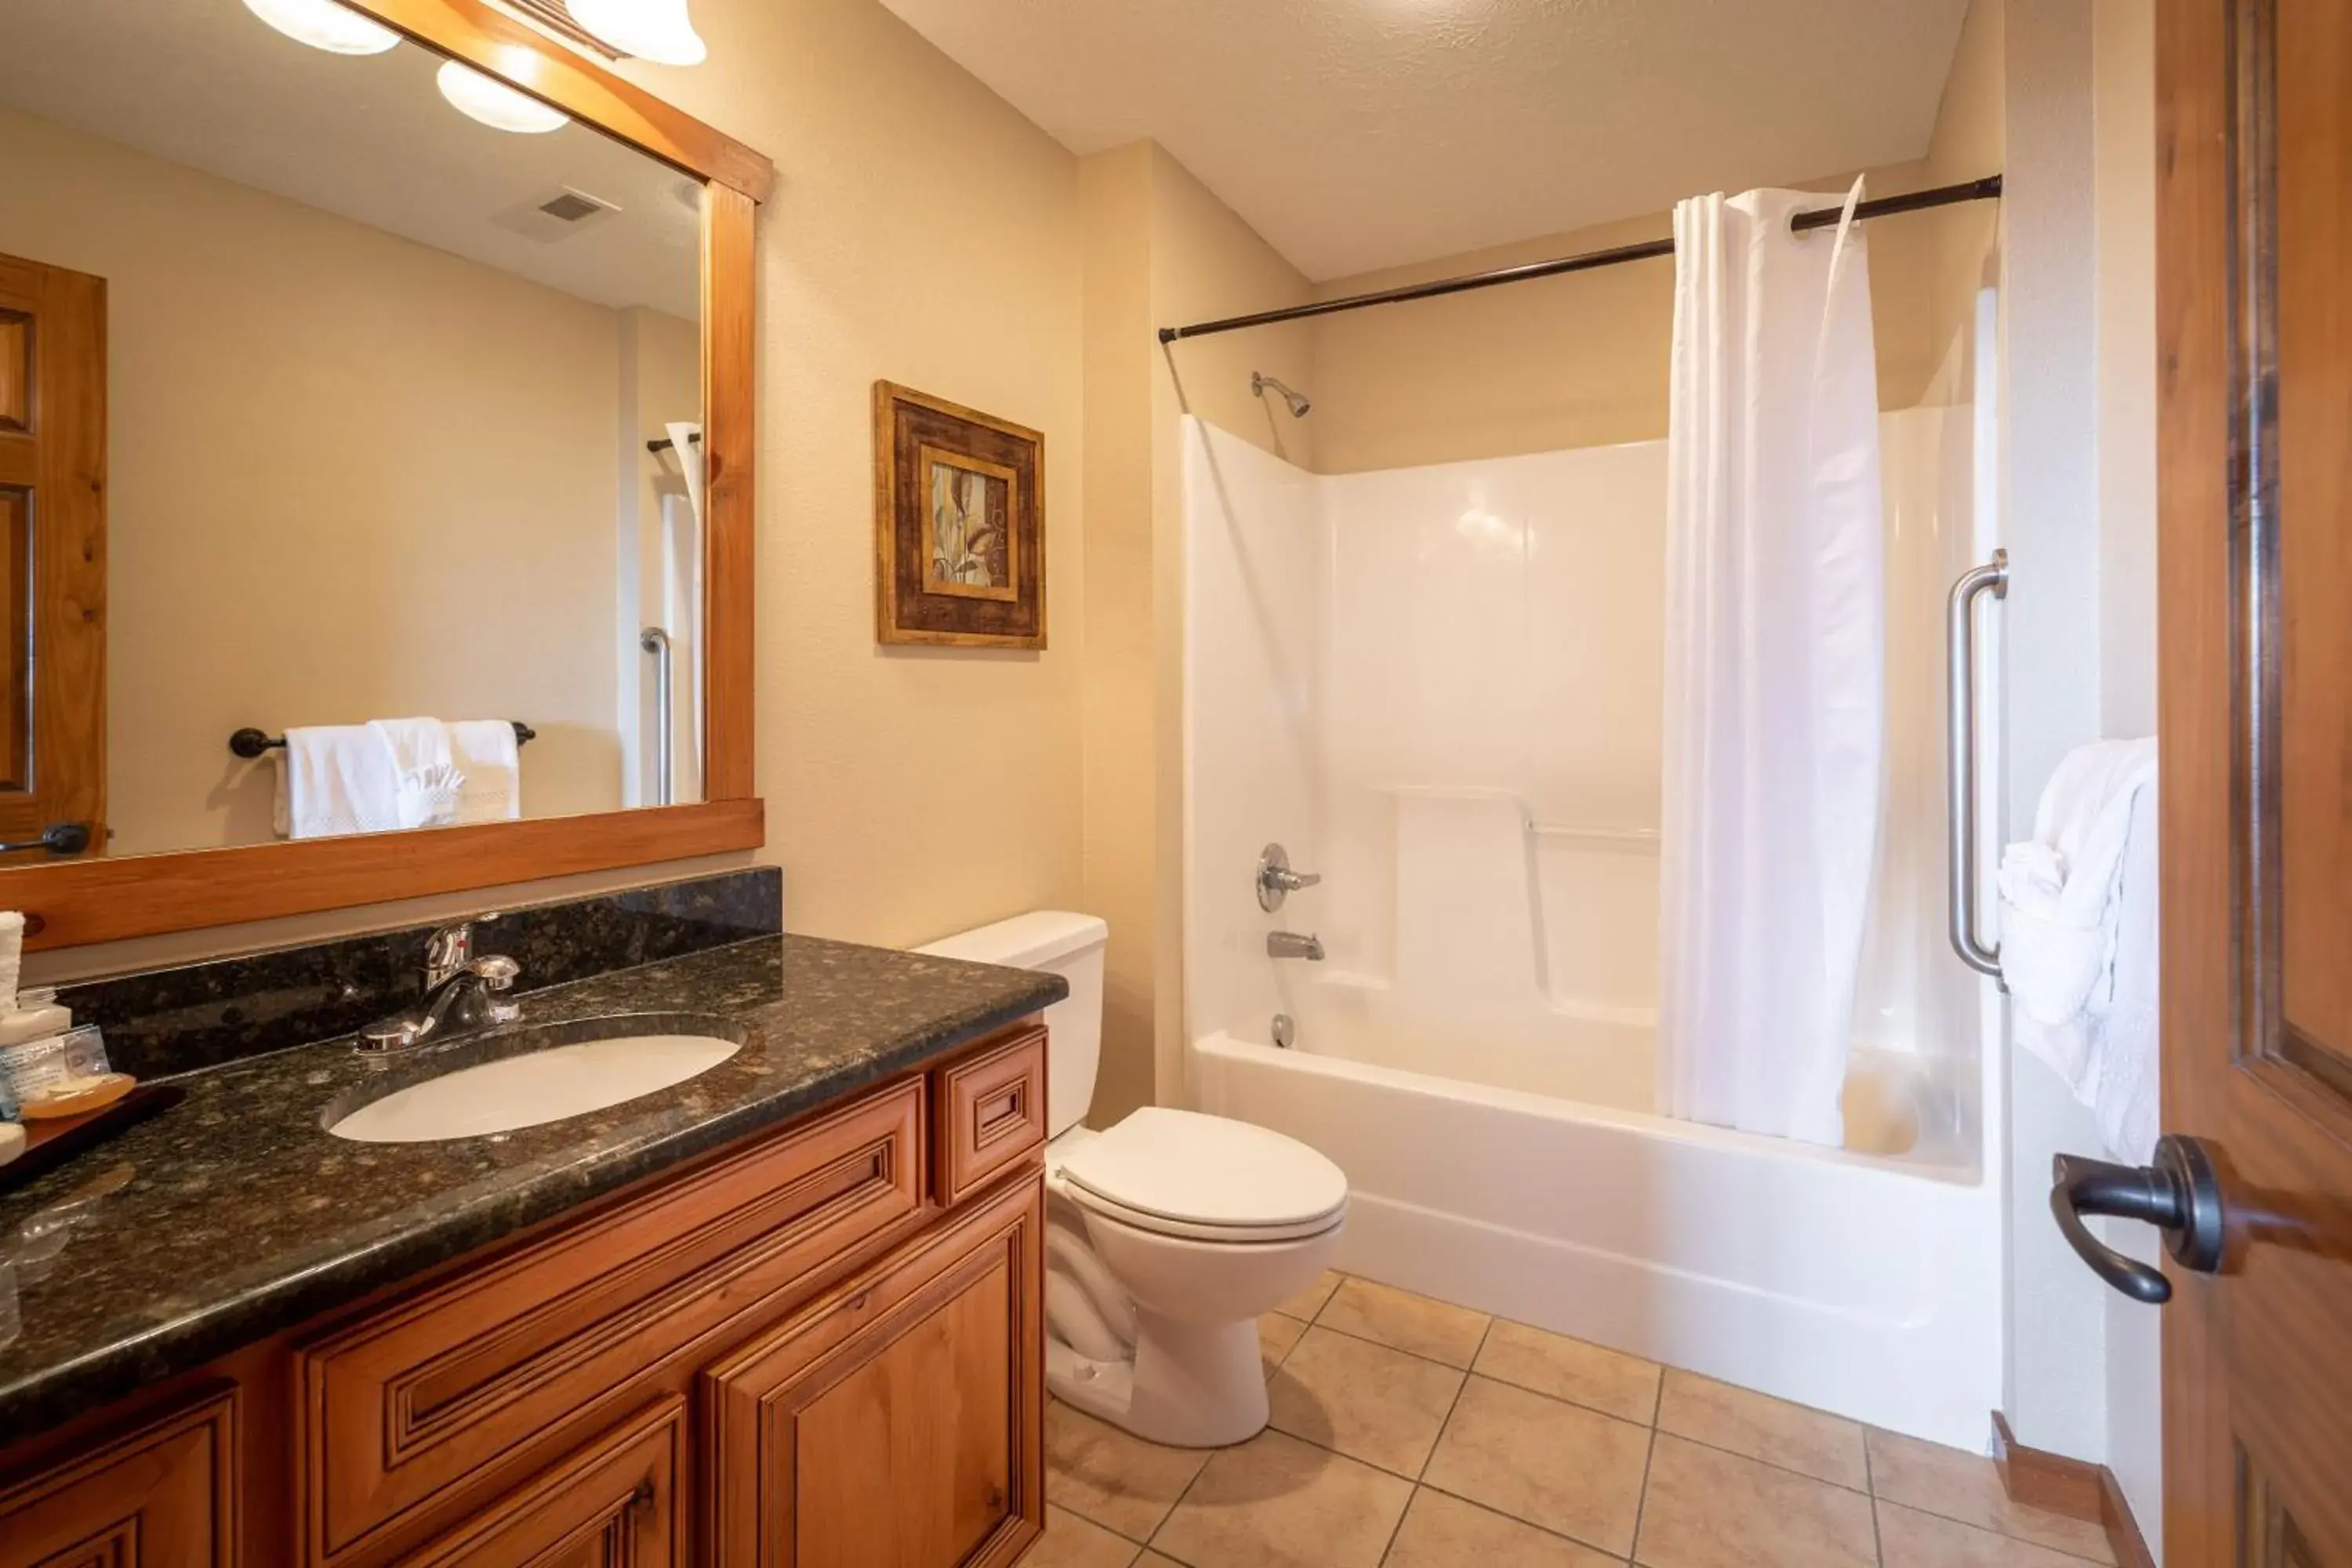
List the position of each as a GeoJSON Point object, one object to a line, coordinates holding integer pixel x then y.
{"type": "Point", "coordinates": [323, 24]}
{"type": "Point", "coordinates": [656, 30]}
{"type": "Point", "coordinates": [494, 103]}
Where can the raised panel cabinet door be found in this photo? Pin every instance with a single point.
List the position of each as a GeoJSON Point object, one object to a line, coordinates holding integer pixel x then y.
{"type": "Point", "coordinates": [52, 554]}
{"type": "Point", "coordinates": [613, 1504]}
{"type": "Point", "coordinates": [898, 1421]}
{"type": "Point", "coordinates": [163, 1496]}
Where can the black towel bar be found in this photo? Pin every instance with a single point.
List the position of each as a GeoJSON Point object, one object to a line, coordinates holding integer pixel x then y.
{"type": "Point", "coordinates": [250, 742]}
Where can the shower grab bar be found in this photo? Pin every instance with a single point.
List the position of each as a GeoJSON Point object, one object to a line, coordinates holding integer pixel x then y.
{"type": "Point", "coordinates": [656, 641]}
{"type": "Point", "coordinates": [1962, 742]}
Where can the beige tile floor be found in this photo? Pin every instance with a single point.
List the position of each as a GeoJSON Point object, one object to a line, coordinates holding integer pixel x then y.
{"type": "Point", "coordinates": [1414, 1434]}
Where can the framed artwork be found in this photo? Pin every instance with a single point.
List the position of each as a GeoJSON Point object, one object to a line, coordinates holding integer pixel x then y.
{"type": "Point", "coordinates": [958, 524]}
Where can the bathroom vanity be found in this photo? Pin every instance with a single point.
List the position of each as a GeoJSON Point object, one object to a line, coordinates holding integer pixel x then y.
{"type": "Point", "coordinates": [788, 1311]}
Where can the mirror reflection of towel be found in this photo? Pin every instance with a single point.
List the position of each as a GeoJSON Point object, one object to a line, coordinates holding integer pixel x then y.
{"type": "Point", "coordinates": [490, 759]}
{"type": "Point", "coordinates": [335, 779]}
{"type": "Point", "coordinates": [426, 773]}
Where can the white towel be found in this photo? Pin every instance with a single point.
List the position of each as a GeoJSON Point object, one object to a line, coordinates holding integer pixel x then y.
{"type": "Point", "coordinates": [424, 769]}
{"type": "Point", "coordinates": [2078, 942]}
{"type": "Point", "coordinates": [491, 760]}
{"type": "Point", "coordinates": [334, 779]}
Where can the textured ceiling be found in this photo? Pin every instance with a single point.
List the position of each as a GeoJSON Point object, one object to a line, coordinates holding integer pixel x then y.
{"type": "Point", "coordinates": [1356, 134]}
{"type": "Point", "coordinates": [202, 82]}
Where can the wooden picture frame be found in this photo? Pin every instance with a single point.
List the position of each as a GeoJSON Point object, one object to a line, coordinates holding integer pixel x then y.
{"type": "Point", "coordinates": [93, 899]}
{"type": "Point", "coordinates": [941, 468]}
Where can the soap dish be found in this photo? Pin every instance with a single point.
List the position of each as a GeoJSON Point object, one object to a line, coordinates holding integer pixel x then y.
{"type": "Point", "coordinates": [52, 1142]}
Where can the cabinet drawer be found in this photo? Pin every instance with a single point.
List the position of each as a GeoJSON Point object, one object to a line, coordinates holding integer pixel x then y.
{"type": "Point", "coordinates": [987, 1112]}
{"type": "Point", "coordinates": [613, 1504]}
{"type": "Point", "coordinates": [428, 1394]}
{"type": "Point", "coordinates": [163, 1496]}
{"type": "Point", "coordinates": [900, 1418]}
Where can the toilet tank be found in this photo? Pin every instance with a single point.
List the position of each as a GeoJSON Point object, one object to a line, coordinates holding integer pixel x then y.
{"type": "Point", "coordinates": [1070, 945]}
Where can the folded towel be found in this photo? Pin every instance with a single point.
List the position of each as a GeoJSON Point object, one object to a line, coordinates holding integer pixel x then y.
{"type": "Point", "coordinates": [2078, 935]}
{"type": "Point", "coordinates": [490, 759]}
{"type": "Point", "coordinates": [424, 767]}
{"type": "Point", "coordinates": [334, 779]}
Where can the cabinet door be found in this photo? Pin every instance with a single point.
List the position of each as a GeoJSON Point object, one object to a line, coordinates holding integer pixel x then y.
{"type": "Point", "coordinates": [898, 1421]}
{"type": "Point", "coordinates": [613, 1504]}
{"type": "Point", "coordinates": [162, 1497]}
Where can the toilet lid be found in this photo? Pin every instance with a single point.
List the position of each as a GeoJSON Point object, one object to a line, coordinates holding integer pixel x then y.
{"type": "Point", "coordinates": [1207, 1172]}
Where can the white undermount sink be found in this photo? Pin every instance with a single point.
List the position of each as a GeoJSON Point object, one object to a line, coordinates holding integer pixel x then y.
{"type": "Point", "coordinates": [534, 1087]}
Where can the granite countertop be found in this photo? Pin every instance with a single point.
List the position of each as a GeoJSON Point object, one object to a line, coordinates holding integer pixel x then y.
{"type": "Point", "coordinates": [236, 1214]}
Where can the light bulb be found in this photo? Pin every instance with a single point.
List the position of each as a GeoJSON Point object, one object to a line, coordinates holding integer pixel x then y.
{"type": "Point", "coordinates": [323, 24]}
{"type": "Point", "coordinates": [494, 103]}
{"type": "Point", "coordinates": [656, 30]}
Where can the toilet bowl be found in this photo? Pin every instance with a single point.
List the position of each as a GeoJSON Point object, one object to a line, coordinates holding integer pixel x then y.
{"type": "Point", "coordinates": [1167, 1235]}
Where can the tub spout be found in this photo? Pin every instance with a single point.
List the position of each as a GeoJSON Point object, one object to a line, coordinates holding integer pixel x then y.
{"type": "Point", "coordinates": [1290, 944]}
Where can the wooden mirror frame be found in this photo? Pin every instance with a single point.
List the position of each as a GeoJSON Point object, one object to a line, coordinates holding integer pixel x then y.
{"type": "Point", "coordinates": [69, 903]}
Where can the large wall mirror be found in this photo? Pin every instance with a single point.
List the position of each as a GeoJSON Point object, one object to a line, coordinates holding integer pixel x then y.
{"type": "Point", "coordinates": [374, 504]}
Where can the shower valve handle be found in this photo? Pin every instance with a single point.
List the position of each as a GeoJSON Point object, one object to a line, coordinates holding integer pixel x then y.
{"type": "Point", "coordinates": [1276, 880]}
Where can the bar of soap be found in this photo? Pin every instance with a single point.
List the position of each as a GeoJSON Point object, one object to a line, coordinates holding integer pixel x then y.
{"type": "Point", "coordinates": [78, 1096]}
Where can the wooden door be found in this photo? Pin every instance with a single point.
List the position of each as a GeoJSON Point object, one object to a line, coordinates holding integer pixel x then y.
{"type": "Point", "coordinates": [896, 1422]}
{"type": "Point", "coordinates": [613, 1504]}
{"type": "Point", "coordinates": [52, 554]}
{"type": "Point", "coordinates": [2254, 315]}
{"type": "Point", "coordinates": [162, 1497]}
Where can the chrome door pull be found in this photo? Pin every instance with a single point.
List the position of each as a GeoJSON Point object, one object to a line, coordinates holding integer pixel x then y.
{"type": "Point", "coordinates": [1963, 734]}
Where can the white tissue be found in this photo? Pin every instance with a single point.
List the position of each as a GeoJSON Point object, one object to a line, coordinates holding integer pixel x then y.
{"type": "Point", "coordinates": [12, 957]}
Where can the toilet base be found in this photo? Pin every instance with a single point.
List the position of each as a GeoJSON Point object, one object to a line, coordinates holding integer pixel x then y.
{"type": "Point", "coordinates": [1190, 1385]}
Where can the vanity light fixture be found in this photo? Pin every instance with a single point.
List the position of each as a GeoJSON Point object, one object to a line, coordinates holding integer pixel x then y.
{"type": "Point", "coordinates": [656, 30]}
{"type": "Point", "coordinates": [494, 103]}
{"type": "Point", "coordinates": [324, 25]}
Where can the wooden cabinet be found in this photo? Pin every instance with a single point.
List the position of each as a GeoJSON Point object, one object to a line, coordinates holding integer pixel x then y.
{"type": "Point", "coordinates": [825, 1345]}
{"type": "Point", "coordinates": [611, 1505]}
{"type": "Point", "coordinates": [418, 1398]}
{"type": "Point", "coordinates": [162, 1496]}
{"type": "Point", "coordinates": [895, 1423]}
{"type": "Point", "coordinates": [988, 1114]}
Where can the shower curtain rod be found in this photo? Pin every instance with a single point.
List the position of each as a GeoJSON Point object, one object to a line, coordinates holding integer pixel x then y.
{"type": "Point", "coordinates": [1986, 189]}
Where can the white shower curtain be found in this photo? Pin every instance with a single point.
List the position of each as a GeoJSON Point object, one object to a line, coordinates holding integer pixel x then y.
{"type": "Point", "coordinates": [1774, 664]}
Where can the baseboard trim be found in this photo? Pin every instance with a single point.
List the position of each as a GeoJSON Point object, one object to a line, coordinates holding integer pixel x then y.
{"type": "Point", "coordinates": [2075, 1487]}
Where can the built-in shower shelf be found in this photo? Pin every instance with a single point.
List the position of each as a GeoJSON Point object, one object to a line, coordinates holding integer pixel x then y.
{"type": "Point", "coordinates": [1625, 840]}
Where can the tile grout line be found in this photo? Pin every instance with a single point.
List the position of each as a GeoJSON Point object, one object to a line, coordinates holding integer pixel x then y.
{"type": "Point", "coordinates": [1447, 1420]}
{"type": "Point", "coordinates": [1870, 1490]}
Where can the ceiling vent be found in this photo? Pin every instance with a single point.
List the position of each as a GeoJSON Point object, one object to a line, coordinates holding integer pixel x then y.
{"type": "Point", "coordinates": [559, 217]}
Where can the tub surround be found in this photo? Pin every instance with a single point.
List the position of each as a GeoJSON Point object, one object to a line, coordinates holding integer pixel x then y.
{"type": "Point", "coordinates": [240, 1216]}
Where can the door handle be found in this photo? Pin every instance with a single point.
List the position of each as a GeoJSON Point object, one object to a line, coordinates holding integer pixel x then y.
{"type": "Point", "coordinates": [57, 838]}
{"type": "Point", "coordinates": [2179, 1194]}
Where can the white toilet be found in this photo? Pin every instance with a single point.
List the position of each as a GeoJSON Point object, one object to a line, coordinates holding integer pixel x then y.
{"type": "Point", "coordinates": [1167, 1235]}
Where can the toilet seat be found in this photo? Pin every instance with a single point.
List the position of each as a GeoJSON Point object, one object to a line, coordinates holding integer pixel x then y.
{"type": "Point", "coordinates": [1204, 1178]}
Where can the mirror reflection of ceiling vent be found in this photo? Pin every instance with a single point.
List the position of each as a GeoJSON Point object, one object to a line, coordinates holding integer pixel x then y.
{"type": "Point", "coordinates": [558, 216]}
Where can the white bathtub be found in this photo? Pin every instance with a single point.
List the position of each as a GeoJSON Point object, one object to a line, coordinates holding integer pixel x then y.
{"type": "Point", "coordinates": [1862, 1282]}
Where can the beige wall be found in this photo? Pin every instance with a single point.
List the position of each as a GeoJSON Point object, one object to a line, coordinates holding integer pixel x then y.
{"type": "Point", "coordinates": [1159, 250]}
{"type": "Point", "coordinates": [1581, 359]}
{"type": "Point", "coordinates": [278, 522]}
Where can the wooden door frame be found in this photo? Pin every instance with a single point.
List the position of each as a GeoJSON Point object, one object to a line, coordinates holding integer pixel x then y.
{"type": "Point", "coordinates": [96, 898]}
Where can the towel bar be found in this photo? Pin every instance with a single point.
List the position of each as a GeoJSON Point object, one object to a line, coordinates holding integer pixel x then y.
{"type": "Point", "coordinates": [249, 742]}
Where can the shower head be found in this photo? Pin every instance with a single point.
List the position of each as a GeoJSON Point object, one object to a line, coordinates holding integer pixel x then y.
{"type": "Point", "coordinates": [1260, 380]}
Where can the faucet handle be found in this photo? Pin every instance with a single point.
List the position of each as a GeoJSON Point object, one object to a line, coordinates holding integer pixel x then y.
{"type": "Point", "coordinates": [497, 971]}
{"type": "Point", "coordinates": [1276, 880]}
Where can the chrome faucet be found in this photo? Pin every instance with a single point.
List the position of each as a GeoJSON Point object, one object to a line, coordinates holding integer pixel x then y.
{"type": "Point", "coordinates": [1290, 944]}
{"type": "Point", "coordinates": [457, 982]}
